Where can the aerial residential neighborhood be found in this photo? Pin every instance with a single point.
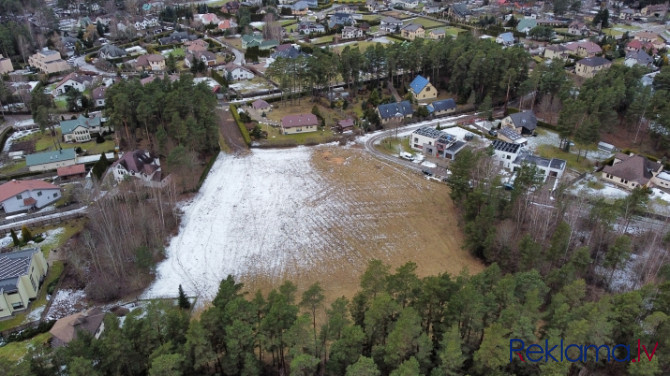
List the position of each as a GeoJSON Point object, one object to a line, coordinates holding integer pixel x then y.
{"type": "Point", "coordinates": [346, 187]}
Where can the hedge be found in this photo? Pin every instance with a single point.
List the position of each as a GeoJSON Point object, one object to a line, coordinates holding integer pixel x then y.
{"type": "Point", "coordinates": [240, 125]}
{"type": "Point", "coordinates": [205, 172]}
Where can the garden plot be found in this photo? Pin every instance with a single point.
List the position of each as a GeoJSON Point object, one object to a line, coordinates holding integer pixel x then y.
{"type": "Point", "coordinates": [254, 85]}
{"type": "Point", "coordinates": [309, 214]}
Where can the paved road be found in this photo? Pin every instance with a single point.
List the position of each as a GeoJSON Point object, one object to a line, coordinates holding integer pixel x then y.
{"type": "Point", "coordinates": [81, 63]}
{"type": "Point", "coordinates": [239, 56]}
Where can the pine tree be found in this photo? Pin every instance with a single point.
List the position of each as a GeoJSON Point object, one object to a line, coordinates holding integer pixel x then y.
{"type": "Point", "coordinates": [183, 300]}
{"type": "Point", "coordinates": [15, 238]}
{"type": "Point", "coordinates": [26, 236]}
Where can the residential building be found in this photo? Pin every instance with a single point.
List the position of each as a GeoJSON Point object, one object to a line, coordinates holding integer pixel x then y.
{"type": "Point", "coordinates": [268, 44]}
{"type": "Point", "coordinates": [251, 40]}
{"type": "Point", "coordinates": [208, 58]}
{"type": "Point", "coordinates": [588, 49]}
{"type": "Point", "coordinates": [344, 19]}
{"type": "Point", "coordinates": [655, 10]}
{"type": "Point", "coordinates": [207, 18]}
{"type": "Point", "coordinates": [141, 165]}
{"type": "Point", "coordinates": [287, 51]}
{"type": "Point", "coordinates": [177, 37]}
{"type": "Point", "coordinates": [394, 111]}
{"type": "Point", "coordinates": [81, 128]}
{"type": "Point", "coordinates": [459, 12]}
{"type": "Point", "coordinates": [73, 81]}
{"type": "Point", "coordinates": [637, 45]}
{"type": "Point", "coordinates": [556, 51]}
{"type": "Point", "coordinates": [650, 37]}
{"type": "Point", "coordinates": [631, 171]}
{"type": "Point", "coordinates": [309, 27]}
{"type": "Point", "coordinates": [345, 125]}
{"type": "Point", "coordinates": [231, 7]}
{"type": "Point", "coordinates": [238, 72]}
{"type": "Point", "coordinates": [546, 167]}
{"type": "Point", "coordinates": [301, 123]}
{"type": "Point", "coordinates": [21, 275]}
{"type": "Point", "coordinates": [48, 62]}
{"type": "Point", "coordinates": [351, 32]}
{"type": "Point", "coordinates": [588, 67]}
{"type": "Point", "coordinates": [152, 62]}
{"type": "Point", "coordinates": [442, 107]}
{"type": "Point", "coordinates": [227, 24]}
{"type": "Point", "coordinates": [299, 8]}
{"type": "Point", "coordinates": [638, 58]}
{"type": "Point", "coordinates": [436, 143]}
{"type": "Point", "coordinates": [196, 45]}
{"type": "Point", "coordinates": [390, 24]}
{"type": "Point", "coordinates": [261, 105]}
{"type": "Point", "coordinates": [98, 96]}
{"type": "Point", "coordinates": [506, 39]}
{"type": "Point", "coordinates": [422, 89]}
{"type": "Point", "coordinates": [578, 28]}
{"type": "Point", "coordinates": [512, 136]}
{"type": "Point", "coordinates": [412, 31]}
{"type": "Point", "coordinates": [505, 152]}
{"type": "Point", "coordinates": [436, 34]}
{"type": "Point", "coordinates": [24, 195]}
{"type": "Point", "coordinates": [5, 65]}
{"type": "Point", "coordinates": [110, 51]}
{"type": "Point", "coordinates": [662, 179]}
{"type": "Point", "coordinates": [71, 172]}
{"type": "Point", "coordinates": [526, 24]}
{"type": "Point", "coordinates": [522, 122]}
{"type": "Point", "coordinates": [51, 160]}
{"type": "Point", "coordinates": [66, 329]}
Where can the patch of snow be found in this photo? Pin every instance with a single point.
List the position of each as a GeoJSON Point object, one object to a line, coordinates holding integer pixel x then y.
{"type": "Point", "coordinates": [34, 315]}
{"type": "Point", "coordinates": [66, 302]}
{"type": "Point", "coordinates": [624, 278]}
{"type": "Point", "coordinates": [257, 214]}
{"type": "Point", "coordinates": [383, 40]}
{"type": "Point", "coordinates": [6, 241]}
{"type": "Point", "coordinates": [428, 164]}
{"type": "Point", "coordinates": [608, 191]}
{"type": "Point", "coordinates": [459, 132]}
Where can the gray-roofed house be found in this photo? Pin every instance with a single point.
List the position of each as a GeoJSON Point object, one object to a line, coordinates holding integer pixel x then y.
{"type": "Point", "coordinates": [98, 96]}
{"type": "Point", "coordinates": [512, 136]}
{"type": "Point", "coordinates": [590, 66]}
{"type": "Point", "coordinates": [546, 167]}
{"type": "Point", "coordinates": [51, 160]}
{"type": "Point", "coordinates": [81, 128]}
{"type": "Point", "coordinates": [412, 31]}
{"type": "Point", "coordinates": [21, 274]}
{"type": "Point", "coordinates": [139, 164]}
{"type": "Point", "coordinates": [177, 37]}
{"type": "Point", "coordinates": [344, 19]}
{"type": "Point", "coordinates": [442, 107]}
{"type": "Point", "coordinates": [110, 51]}
{"type": "Point", "coordinates": [436, 143]}
{"type": "Point", "coordinates": [525, 25]}
{"type": "Point", "coordinates": [390, 24]}
{"type": "Point", "coordinates": [394, 111]}
{"type": "Point", "coordinates": [638, 58]}
{"type": "Point", "coordinates": [437, 34]}
{"type": "Point", "coordinates": [459, 12]}
{"type": "Point", "coordinates": [522, 122]}
{"type": "Point", "coordinates": [300, 123]}
{"type": "Point", "coordinates": [422, 89]}
{"type": "Point", "coordinates": [261, 105]}
{"type": "Point", "coordinates": [631, 171]}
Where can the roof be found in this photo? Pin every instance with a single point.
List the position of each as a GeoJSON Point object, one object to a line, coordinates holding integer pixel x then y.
{"type": "Point", "coordinates": [526, 23]}
{"type": "Point", "coordinates": [138, 161]}
{"type": "Point", "coordinates": [633, 168]}
{"type": "Point", "coordinates": [65, 329]}
{"type": "Point", "coordinates": [594, 61]}
{"type": "Point", "coordinates": [144, 60]}
{"type": "Point", "coordinates": [390, 20]}
{"type": "Point", "coordinates": [389, 110]}
{"type": "Point", "coordinates": [71, 170]}
{"type": "Point", "coordinates": [460, 9]}
{"type": "Point", "coordinates": [300, 120]}
{"type": "Point", "coordinates": [438, 31]}
{"type": "Point", "coordinates": [443, 105]}
{"type": "Point", "coordinates": [50, 157]}
{"type": "Point", "coordinates": [260, 104]}
{"type": "Point", "coordinates": [112, 50]}
{"type": "Point", "coordinates": [68, 126]}
{"type": "Point", "coordinates": [456, 146]}
{"type": "Point", "coordinates": [346, 123]}
{"type": "Point", "coordinates": [640, 56]}
{"type": "Point", "coordinates": [524, 119]}
{"type": "Point", "coordinates": [590, 47]}
{"type": "Point", "coordinates": [510, 134]}
{"type": "Point", "coordinates": [74, 77]}
{"type": "Point", "coordinates": [429, 132]}
{"type": "Point", "coordinates": [99, 92]}
{"type": "Point", "coordinates": [412, 27]}
{"type": "Point", "coordinates": [418, 84]}
{"type": "Point", "coordinates": [506, 37]}
{"type": "Point", "coordinates": [14, 187]}
{"type": "Point", "coordinates": [506, 147]}
{"type": "Point", "coordinates": [14, 265]}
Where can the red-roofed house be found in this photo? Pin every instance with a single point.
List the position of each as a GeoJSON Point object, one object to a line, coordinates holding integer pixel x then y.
{"type": "Point", "coordinates": [196, 45]}
{"type": "Point", "coordinates": [261, 105]}
{"type": "Point", "coordinates": [301, 123]}
{"type": "Point", "coordinates": [141, 165]}
{"type": "Point", "coordinates": [23, 195]}
{"type": "Point", "coordinates": [71, 172]}
{"type": "Point", "coordinates": [227, 24]}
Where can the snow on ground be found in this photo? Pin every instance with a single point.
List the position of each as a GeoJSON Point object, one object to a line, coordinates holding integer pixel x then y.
{"type": "Point", "coordinates": [66, 302]}
{"type": "Point", "coordinates": [384, 40]}
{"type": "Point", "coordinates": [34, 315]}
{"type": "Point", "coordinates": [659, 201]}
{"type": "Point", "coordinates": [15, 136]}
{"type": "Point", "coordinates": [250, 86]}
{"type": "Point", "coordinates": [608, 191]}
{"type": "Point", "coordinates": [428, 164]}
{"type": "Point", "coordinates": [544, 137]}
{"type": "Point", "coordinates": [6, 241]}
{"type": "Point", "coordinates": [624, 278]}
{"type": "Point", "coordinates": [272, 228]}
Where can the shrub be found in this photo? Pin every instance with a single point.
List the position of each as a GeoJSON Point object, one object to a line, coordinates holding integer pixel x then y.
{"type": "Point", "coordinates": [240, 124]}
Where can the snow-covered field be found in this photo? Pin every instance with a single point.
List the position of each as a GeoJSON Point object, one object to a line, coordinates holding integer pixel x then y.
{"type": "Point", "coordinates": [66, 302]}
{"type": "Point", "coordinates": [224, 232]}
{"type": "Point", "coordinates": [607, 191]}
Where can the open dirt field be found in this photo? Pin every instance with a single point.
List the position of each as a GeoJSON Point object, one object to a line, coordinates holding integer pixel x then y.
{"type": "Point", "coordinates": [309, 214]}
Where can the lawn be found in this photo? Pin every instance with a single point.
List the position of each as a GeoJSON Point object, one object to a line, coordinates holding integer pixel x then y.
{"type": "Point", "coordinates": [454, 31]}
{"type": "Point", "coordinates": [15, 351]}
{"type": "Point", "coordinates": [13, 167]}
{"type": "Point", "coordinates": [45, 141]}
{"type": "Point", "coordinates": [394, 145]}
{"type": "Point", "coordinates": [178, 52]}
{"type": "Point", "coordinates": [362, 46]}
{"type": "Point", "coordinates": [425, 22]}
{"type": "Point", "coordinates": [322, 40]}
{"type": "Point", "coordinates": [550, 151]}
{"type": "Point", "coordinates": [285, 23]}
{"type": "Point", "coordinates": [70, 228]}
{"type": "Point", "coordinates": [318, 137]}
{"type": "Point", "coordinates": [370, 17]}
{"type": "Point", "coordinates": [61, 103]}
{"type": "Point", "coordinates": [54, 273]}
{"type": "Point", "coordinates": [612, 32]}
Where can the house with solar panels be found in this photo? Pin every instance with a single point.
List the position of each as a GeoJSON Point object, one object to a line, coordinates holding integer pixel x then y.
{"type": "Point", "coordinates": [21, 274]}
{"type": "Point", "coordinates": [435, 143]}
{"type": "Point", "coordinates": [422, 89]}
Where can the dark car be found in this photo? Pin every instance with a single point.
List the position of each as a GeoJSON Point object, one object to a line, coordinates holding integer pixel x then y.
{"type": "Point", "coordinates": [493, 132]}
{"type": "Point", "coordinates": [427, 172]}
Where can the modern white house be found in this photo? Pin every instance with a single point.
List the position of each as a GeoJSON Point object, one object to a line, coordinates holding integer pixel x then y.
{"type": "Point", "coordinates": [238, 72]}
{"type": "Point", "coordinates": [505, 152]}
{"type": "Point", "coordinates": [21, 274]}
{"type": "Point", "coordinates": [74, 81]}
{"type": "Point", "coordinates": [22, 195]}
{"type": "Point", "coordinates": [81, 128]}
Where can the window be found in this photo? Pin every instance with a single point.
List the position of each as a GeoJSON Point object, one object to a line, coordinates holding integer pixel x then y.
{"type": "Point", "coordinates": [509, 157]}
{"type": "Point", "coordinates": [18, 305]}
{"type": "Point", "coordinates": [416, 139]}
{"type": "Point", "coordinates": [39, 193]}
{"type": "Point", "coordinates": [18, 197]}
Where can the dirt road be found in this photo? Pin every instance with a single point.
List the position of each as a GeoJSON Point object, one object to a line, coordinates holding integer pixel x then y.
{"type": "Point", "coordinates": [230, 132]}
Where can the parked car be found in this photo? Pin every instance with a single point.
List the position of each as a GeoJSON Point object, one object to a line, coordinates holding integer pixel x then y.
{"type": "Point", "coordinates": [427, 172]}
{"type": "Point", "coordinates": [493, 132]}
{"type": "Point", "coordinates": [406, 156]}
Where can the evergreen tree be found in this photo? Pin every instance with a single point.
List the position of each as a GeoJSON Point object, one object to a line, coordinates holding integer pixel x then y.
{"type": "Point", "coordinates": [26, 236]}
{"type": "Point", "coordinates": [183, 300]}
{"type": "Point", "coordinates": [15, 238]}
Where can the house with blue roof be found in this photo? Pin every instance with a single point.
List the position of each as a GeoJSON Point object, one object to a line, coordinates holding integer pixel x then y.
{"type": "Point", "coordinates": [442, 107]}
{"type": "Point", "coordinates": [344, 19]}
{"type": "Point", "coordinates": [506, 39]}
{"type": "Point", "coordinates": [525, 25]}
{"type": "Point", "coordinates": [394, 111]}
{"type": "Point", "coordinates": [51, 160]}
{"type": "Point", "coordinates": [422, 89]}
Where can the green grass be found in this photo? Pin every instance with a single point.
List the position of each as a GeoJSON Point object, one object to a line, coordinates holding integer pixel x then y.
{"type": "Point", "coordinates": [322, 40]}
{"type": "Point", "coordinates": [13, 167]}
{"type": "Point", "coordinates": [178, 52]}
{"type": "Point", "coordinates": [71, 228]}
{"type": "Point", "coordinates": [612, 33]}
{"type": "Point", "coordinates": [362, 46]}
{"type": "Point", "coordinates": [370, 17]}
{"type": "Point", "coordinates": [275, 138]}
{"type": "Point", "coordinates": [45, 141]}
{"type": "Point", "coordinates": [595, 185]}
{"type": "Point", "coordinates": [61, 103]}
{"type": "Point", "coordinates": [425, 22]}
{"type": "Point", "coordinates": [549, 151]}
{"type": "Point", "coordinates": [454, 31]}
{"type": "Point", "coordinates": [394, 145]}
{"type": "Point", "coordinates": [285, 23]}
{"type": "Point", "coordinates": [15, 351]}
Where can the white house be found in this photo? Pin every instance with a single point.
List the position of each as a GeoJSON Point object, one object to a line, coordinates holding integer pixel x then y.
{"type": "Point", "coordinates": [351, 32]}
{"type": "Point", "coordinates": [81, 128]}
{"type": "Point", "coordinates": [238, 72]}
{"type": "Point", "coordinates": [553, 167]}
{"type": "Point", "coordinates": [139, 164]}
{"type": "Point", "coordinates": [505, 152]}
{"type": "Point", "coordinates": [73, 80]}
{"type": "Point", "coordinates": [22, 195]}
